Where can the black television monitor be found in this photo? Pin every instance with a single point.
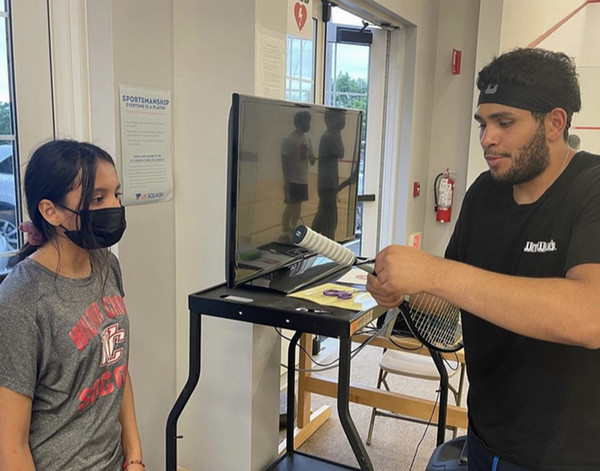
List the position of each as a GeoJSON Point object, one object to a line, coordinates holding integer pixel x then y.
{"type": "Point", "coordinates": [289, 164]}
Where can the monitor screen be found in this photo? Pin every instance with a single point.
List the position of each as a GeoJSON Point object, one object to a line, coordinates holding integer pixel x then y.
{"type": "Point", "coordinates": [289, 164]}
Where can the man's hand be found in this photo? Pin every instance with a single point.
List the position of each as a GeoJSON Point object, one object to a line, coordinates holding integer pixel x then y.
{"type": "Point", "coordinates": [382, 297]}
{"type": "Point", "coordinates": [400, 271]}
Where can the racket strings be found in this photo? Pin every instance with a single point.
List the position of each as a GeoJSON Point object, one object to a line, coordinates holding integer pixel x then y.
{"type": "Point", "coordinates": [436, 320]}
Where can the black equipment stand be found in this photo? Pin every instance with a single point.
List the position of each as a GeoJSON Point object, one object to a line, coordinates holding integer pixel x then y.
{"type": "Point", "coordinates": [271, 309]}
{"type": "Point", "coordinates": [443, 405]}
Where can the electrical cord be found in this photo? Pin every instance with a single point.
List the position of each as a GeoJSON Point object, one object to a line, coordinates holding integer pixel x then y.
{"type": "Point", "coordinates": [333, 364]}
{"type": "Point", "coordinates": [404, 347]}
{"type": "Point", "coordinates": [437, 398]}
{"type": "Point", "coordinates": [449, 364]}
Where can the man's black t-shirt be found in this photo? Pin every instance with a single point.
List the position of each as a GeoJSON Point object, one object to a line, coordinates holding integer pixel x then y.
{"type": "Point", "coordinates": [532, 402]}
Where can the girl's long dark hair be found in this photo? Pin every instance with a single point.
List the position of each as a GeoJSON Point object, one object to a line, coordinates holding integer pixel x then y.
{"type": "Point", "coordinates": [55, 169]}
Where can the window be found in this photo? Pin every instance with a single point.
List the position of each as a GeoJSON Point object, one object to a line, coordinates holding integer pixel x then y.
{"type": "Point", "coordinates": [9, 240]}
{"type": "Point", "coordinates": [348, 56]}
{"type": "Point", "coordinates": [299, 76]}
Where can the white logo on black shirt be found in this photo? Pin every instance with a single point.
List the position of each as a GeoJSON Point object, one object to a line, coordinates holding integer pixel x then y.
{"type": "Point", "coordinates": [540, 247]}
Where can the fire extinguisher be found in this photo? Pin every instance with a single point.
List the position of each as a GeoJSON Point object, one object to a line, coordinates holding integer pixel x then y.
{"type": "Point", "coordinates": [443, 191]}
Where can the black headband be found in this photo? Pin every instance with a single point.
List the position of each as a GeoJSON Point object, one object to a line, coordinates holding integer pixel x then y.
{"type": "Point", "coordinates": [531, 99]}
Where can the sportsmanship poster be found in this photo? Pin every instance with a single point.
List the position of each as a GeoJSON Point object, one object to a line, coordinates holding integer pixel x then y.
{"type": "Point", "coordinates": [147, 175]}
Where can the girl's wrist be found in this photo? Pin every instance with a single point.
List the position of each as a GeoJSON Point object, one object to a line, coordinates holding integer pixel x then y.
{"type": "Point", "coordinates": [133, 464]}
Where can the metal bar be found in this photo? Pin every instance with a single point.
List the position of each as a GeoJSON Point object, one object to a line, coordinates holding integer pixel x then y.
{"type": "Point", "coordinates": [343, 399]}
{"type": "Point", "coordinates": [439, 363]}
{"type": "Point", "coordinates": [291, 386]}
{"type": "Point", "coordinates": [186, 392]}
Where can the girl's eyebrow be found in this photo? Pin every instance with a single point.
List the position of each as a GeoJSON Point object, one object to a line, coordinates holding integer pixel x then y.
{"type": "Point", "coordinates": [99, 188]}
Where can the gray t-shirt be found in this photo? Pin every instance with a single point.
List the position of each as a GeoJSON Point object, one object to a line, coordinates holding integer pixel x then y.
{"type": "Point", "coordinates": [65, 343]}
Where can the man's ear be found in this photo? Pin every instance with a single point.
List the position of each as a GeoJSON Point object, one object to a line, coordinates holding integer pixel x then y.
{"type": "Point", "coordinates": [556, 122]}
{"type": "Point", "coordinates": [50, 213]}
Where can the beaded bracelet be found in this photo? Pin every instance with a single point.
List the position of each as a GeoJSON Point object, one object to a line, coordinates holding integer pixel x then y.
{"type": "Point", "coordinates": [127, 463]}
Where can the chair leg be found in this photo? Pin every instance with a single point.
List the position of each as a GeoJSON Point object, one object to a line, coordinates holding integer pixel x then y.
{"type": "Point", "coordinates": [380, 381]}
{"type": "Point", "coordinates": [461, 384]}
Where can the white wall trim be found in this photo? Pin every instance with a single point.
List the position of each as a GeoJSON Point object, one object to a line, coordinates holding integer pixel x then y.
{"type": "Point", "coordinates": [70, 71]}
{"type": "Point", "coordinates": [396, 144]}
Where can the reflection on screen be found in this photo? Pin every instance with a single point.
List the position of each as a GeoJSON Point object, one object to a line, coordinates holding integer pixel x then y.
{"type": "Point", "coordinates": [295, 164]}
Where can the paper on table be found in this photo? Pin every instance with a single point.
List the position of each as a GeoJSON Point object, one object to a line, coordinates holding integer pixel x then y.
{"type": "Point", "coordinates": [360, 300]}
{"type": "Point", "coordinates": [355, 276]}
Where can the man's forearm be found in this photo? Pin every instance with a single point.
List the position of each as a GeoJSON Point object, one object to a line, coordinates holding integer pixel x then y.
{"type": "Point", "coordinates": [563, 310]}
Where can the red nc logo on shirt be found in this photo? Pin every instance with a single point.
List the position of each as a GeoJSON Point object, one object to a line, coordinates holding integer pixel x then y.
{"type": "Point", "coordinates": [110, 337]}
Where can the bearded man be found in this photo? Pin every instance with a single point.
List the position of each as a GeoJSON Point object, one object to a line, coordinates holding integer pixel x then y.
{"type": "Point", "coordinates": [523, 264]}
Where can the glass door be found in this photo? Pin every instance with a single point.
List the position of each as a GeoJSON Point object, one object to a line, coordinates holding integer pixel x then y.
{"type": "Point", "coordinates": [346, 85]}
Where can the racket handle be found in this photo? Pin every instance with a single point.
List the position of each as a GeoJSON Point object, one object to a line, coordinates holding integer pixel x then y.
{"type": "Point", "coordinates": [305, 237]}
{"type": "Point", "coordinates": [311, 240]}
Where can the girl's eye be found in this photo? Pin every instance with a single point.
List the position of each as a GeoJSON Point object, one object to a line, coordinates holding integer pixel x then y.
{"type": "Point", "coordinates": [97, 199]}
{"type": "Point", "coordinates": [119, 195]}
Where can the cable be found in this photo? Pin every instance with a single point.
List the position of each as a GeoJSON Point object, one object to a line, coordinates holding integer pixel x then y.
{"type": "Point", "coordinates": [404, 347]}
{"type": "Point", "coordinates": [306, 353]}
{"type": "Point", "coordinates": [333, 364]}
{"type": "Point", "coordinates": [425, 432]}
{"type": "Point", "coordinates": [449, 365]}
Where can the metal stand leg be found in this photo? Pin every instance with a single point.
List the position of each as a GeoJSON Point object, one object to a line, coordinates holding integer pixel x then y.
{"type": "Point", "coordinates": [343, 407]}
{"type": "Point", "coordinates": [443, 406]}
{"type": "Point", "coordinates": [188, 389]}
{"type": "Point", "coordinates": [291, 393]}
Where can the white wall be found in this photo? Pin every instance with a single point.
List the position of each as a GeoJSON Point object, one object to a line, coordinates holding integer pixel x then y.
{"type": "Point", "coordinates": [579, 37]}
{"type": "Point", "coordinates": [421, 23]}
{"type": "Point", "coordinates": [436, 116]}
{"type": "Point", "coordinates": [518, 23]}
{"type": "Point", "coordinates": [523, 21]}
{"type": "Point", "coordinates": [132, 43]}
{"type": "Point", "coordinates": [226, 417]}
{"type": "Point", "coordinates": [452, 113]}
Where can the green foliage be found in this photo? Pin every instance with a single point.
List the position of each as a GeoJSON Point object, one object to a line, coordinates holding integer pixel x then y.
{"type": "Point", "coordinates": [5, 118]}
{"type": "Point", "coordinates": [349, 92]}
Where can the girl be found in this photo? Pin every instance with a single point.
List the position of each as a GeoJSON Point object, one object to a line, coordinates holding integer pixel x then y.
{"type": "Point", "coordinates": [66, 401]}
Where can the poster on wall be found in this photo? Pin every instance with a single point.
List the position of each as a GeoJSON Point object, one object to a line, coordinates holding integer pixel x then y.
{"type": "Point", "coordinates": [269, 75]}
{"type": "Point", "coordinates": [147, 175]}
{"type": "Point", "coordinates": [299, 18]}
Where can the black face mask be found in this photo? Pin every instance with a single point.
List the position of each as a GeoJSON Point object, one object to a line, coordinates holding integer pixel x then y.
{"type": "Point", "coordinates": [107, 226]}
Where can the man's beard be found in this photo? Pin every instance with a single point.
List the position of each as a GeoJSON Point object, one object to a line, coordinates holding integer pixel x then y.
{"type": "Point", "coordinates": [531, 161]}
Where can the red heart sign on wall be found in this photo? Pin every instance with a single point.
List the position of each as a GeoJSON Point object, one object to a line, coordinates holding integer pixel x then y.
{"type": "Point", "coordinates": [300, 15]}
